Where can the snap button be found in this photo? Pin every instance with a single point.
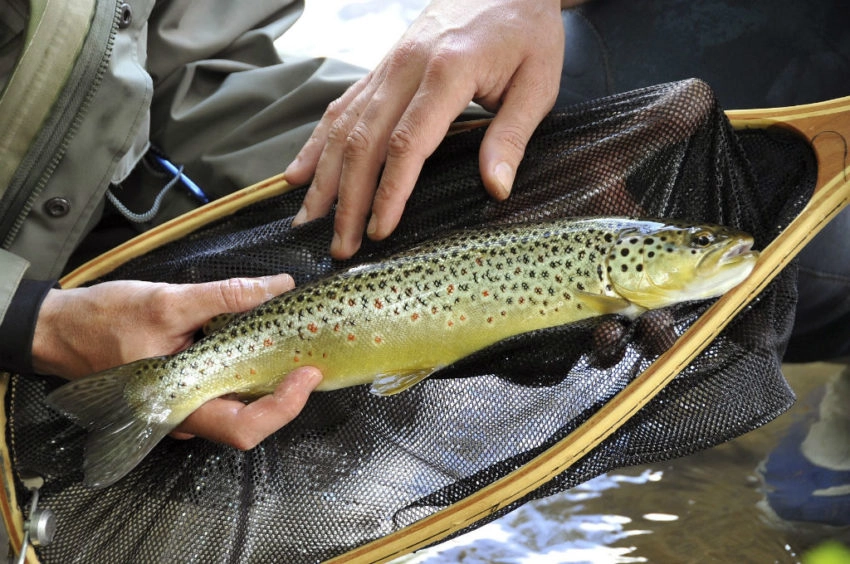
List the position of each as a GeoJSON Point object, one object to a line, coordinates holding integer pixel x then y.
{"type": "Point", "coordinates": [57, 207]}
{"type": "Point", "coordinates": [126, 16]}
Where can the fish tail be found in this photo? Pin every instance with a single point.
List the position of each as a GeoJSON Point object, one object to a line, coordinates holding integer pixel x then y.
{"type": "Point", "coordinates": [119, 438]}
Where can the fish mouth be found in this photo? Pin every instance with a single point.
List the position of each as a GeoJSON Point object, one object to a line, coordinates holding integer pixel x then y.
{"type": "Point", "coordinates": [737, 254]}
{"type": "Point", "coordinates": [741, 250]}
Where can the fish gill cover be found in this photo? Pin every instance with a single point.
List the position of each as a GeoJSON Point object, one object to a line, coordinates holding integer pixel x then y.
{"type": "Point", "coordinates": [354, 466]}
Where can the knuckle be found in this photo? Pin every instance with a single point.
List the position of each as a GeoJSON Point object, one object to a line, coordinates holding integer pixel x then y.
{"type": "Point", "coordinates": [243, 441]}
{"type": "Point", "coordinates": [388, 193]}
{"type": "Point", "coordinates": [402, 54]}
{"type": "Point", "coordinates": [335, 109]}
{"type": "Point", "coordinates": [514, 136]}
{"type": "Point", "coordinates": [402, 142]}
{"type": "Point", "coordinates": [236, 293]}
{"type": "Point", "coordinates": [446, 59]}
{"type": "Point", "coordinates": [358, 141]}
{"type": "Point", "coordinates": [337, 133]}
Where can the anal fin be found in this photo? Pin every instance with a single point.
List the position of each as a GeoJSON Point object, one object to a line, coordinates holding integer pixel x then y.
{"type": "Point", "coordinates": [391, 384]}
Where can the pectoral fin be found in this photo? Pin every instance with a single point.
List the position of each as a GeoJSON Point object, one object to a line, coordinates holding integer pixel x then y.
{"type": "Point", "coordinates": [391, 384]}
{"type": "Point", "coordinates": [604, 305]}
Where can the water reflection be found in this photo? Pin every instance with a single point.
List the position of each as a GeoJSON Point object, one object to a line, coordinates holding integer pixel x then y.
{"type": "Point", "coordinates": [560, 528]}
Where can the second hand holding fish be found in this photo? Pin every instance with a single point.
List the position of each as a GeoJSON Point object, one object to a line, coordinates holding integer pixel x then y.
{"type": "Point", "coordinates": [85, 330]}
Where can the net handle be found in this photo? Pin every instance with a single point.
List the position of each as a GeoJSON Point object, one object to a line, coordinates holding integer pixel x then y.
{"type": "Point", "coordinates": [826, 126]}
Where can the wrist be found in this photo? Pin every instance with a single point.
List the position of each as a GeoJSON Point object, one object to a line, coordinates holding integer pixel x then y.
{"type": "Point", "coordinates": [46, 342]}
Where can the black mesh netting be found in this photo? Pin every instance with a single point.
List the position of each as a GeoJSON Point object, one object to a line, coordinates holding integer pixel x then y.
{"type": "Point", "coordinates": [353, 466]}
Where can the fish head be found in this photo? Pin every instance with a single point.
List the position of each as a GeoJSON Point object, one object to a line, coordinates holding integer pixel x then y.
{"type": "Point", "coordinates": [661, 264]}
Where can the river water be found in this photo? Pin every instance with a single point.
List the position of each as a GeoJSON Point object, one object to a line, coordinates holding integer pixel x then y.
{"type": "Point", "coordinates": [708, 507]}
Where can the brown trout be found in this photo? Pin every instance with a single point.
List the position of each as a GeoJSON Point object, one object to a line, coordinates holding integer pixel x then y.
{"type": "Point", "coordinates": [393, 323]}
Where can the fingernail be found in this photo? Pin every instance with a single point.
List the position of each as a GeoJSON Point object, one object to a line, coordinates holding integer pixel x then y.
{"type": "Point", "coordinates": [313, 378]}
{"type": "Point", "coordinates": [342, 250]}
{"type": "Point", "coordinates": [372, 228]}
{"type": "Point", "coordinates": [505, 178]}
{"type": "Point", "coordinates": [276, 284]}
{"type": "Point", "coordinates": [300, 217]}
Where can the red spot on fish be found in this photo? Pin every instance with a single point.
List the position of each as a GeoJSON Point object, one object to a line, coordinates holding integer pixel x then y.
{"type": "Point", "coordinates": [521, 300]}
{"type": "Point", "coordinates": [489, 320]}
{"type": "Point", "coordinates": [268, 343]}
{"type": "Point", "coordinates": [253, 372]}
{"type": "Point", "coordinates": [485, 293]}
{"type": "Point", "coordinates": [451, 323]}
{"type": "Point", "coordinates": [414, 317]}
{"type": "Point", "coordinates": [351, 302]}
{"type": "Point", "coordinates": [312, 327]}
{"type": "Point", "coordinates": [351, 337]}
{"type": "Point", "coordinates": [378, 304]}
{"type": "Point", "coordinates": [378, 340]}
{"type": "Point", "coordinates": [434, 310]}
{"type": "Point", "coordinates": [463, 318]}
{"type": "Point", "coordinates": [296, 359]}
{"type": "Point", "coordinates": [336, 327]}
{"type": "Point", "coordinates": [450, 289]}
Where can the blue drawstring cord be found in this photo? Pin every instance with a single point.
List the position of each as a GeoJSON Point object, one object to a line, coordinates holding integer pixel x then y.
{"type": "Point", "coordinates": [193, 188]}
{"type": "Point", "coordinates": [178, 176]}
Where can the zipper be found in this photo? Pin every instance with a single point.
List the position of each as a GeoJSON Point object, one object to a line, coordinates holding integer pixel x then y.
{"type": "Point", "coordinates": [68, 112]}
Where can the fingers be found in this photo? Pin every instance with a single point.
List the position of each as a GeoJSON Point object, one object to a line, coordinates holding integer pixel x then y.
{"type": "Point", "coordinates": [302, 167]}
{"type": "Point", "coordinates": [455, 52]}
{"type": "Point", "coordinates": [244, 426]}
{"type": "Point", "coordinates": [525, 104]}
{"type": "Point", "coordinates": [364, 150]}
{"type": "Point", "coordinates": [202, 301]}
{"type": "Point", "coordinates": [441, 98]}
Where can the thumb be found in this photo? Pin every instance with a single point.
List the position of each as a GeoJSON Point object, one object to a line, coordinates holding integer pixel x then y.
{"type": "Point", "coordinates": [525, 104]}
{"type": "Point", "coordinates": [233, 295]}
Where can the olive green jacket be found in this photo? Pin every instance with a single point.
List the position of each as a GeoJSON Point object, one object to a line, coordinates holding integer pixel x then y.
{"type": "Point", "coordinates": [88, 84]}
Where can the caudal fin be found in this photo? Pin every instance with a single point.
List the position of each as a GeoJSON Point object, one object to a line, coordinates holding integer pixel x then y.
{"type": "Point", "coordinates": [119, 438]}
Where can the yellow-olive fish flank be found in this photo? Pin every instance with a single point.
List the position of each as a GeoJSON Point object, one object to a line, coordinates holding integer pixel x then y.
{"type": "Point", "coordinates": [393, 323]}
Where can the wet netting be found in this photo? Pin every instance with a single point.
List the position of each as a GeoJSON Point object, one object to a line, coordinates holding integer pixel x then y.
{"type": "Point", "coordinates": [353, 466]}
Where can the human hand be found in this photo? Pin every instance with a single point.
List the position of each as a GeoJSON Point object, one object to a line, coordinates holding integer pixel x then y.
{"type": "Point", "coordinates": [85, 330]}
{"type": "Point", "coordinates": [503, 54]}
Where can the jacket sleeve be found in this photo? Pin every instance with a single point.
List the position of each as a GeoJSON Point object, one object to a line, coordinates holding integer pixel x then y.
{"type": "Point", "coordinates": [12, 269]}
{"type": "Point", "coordinates": [20, 302]}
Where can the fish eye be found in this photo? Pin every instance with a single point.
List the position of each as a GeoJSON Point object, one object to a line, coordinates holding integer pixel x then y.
{"type": "Point", "coordinates": [702, 239]}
